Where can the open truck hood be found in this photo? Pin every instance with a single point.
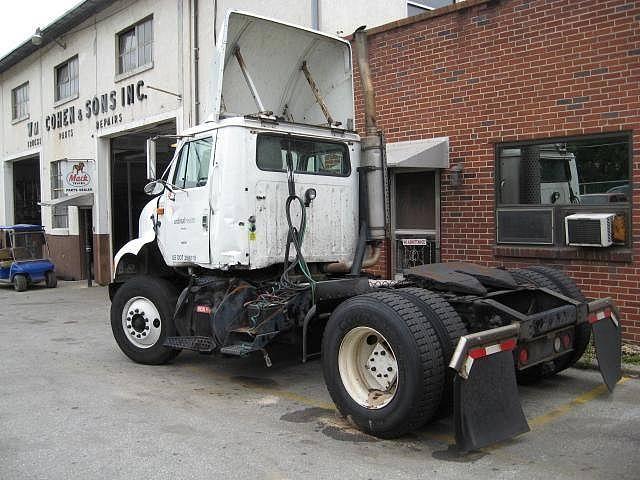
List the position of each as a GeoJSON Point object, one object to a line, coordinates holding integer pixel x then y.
{"type": "Point", "coordinates": [273, 54]}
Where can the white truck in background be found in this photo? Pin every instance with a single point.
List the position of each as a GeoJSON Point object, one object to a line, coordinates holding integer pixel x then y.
{"type": "Point", "coordinates": [261, 227]}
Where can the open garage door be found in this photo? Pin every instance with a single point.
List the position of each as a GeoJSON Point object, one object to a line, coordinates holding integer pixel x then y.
{"type": "Point", "coordinates": [129, 176]}
{"type": "Point", "coordinates": [26, 191]}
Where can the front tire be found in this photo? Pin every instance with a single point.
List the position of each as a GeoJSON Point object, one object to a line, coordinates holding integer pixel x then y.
{"type": "Point", "coordinates": [383, 364]}
{"type": "Point", "coordinates": [20, 283]}
{"type": "Point", "coordinates": [142, 317]}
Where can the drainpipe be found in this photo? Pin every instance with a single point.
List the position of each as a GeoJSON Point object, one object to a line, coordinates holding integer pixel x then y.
{"type": "Point", "coordinates": [315, 14]}
{"type": "Point", "coordinates": [195, 54]}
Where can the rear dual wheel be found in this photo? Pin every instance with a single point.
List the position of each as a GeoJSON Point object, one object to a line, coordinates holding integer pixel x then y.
{"type": "Point", "coordinates": [383, 363]}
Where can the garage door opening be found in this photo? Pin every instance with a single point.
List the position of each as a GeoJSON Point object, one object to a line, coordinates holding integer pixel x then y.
{"type": "Point", "coordinates": [26, 191]}
{"type": "Point", "coordinates": [129, 176]}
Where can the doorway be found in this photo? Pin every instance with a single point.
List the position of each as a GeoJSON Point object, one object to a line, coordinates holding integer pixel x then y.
{"type": "Point", "coordinates": [26, 191]}
{"type": "Point", "coordinates": [85, 224]}
{"type": "Point", "coordinates": [414, 218]}
{"type": "Point", "coordinates": [129, 176]}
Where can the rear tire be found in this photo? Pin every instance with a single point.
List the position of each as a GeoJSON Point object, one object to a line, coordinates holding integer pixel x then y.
{"type": "Point", "coordinates": [20, 283]}
{"type": "Point", "coordinates": [142, 317]}
{"type": "Point", "coordinates": [439, 312]}
{"type": "Point", "coordinates": [413, 396]}
{"type": "Point", "coordinates": [51, 281]}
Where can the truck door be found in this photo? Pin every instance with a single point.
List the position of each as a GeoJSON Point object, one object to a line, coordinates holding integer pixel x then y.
{"type": "Point", "coordinates": [184, 233]}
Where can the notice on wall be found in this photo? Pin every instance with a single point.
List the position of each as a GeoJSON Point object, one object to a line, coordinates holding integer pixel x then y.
{"type": "Point", "coordinates": [77, 176]}
{"type": "Point", "coordinates": [414, 241]}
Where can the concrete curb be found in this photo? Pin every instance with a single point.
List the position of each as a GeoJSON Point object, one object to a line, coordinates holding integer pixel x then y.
{"type": "Point", "coordinates": [627, 368]}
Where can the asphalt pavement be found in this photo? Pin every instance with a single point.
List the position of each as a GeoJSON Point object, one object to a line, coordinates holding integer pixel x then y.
{"type": "Point", "coordinates": [73, 406]}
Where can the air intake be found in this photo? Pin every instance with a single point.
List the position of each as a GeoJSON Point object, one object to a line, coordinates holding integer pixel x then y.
{"type": "Point", "coordinates": [589, 229]}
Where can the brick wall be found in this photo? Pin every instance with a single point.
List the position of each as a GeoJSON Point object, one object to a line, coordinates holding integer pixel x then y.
{"type": "Point", "coordinates": [489, 71]}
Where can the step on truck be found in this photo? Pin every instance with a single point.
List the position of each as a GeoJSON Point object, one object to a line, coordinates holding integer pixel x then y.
{"type": "Point", "coordinates": [263, 225]}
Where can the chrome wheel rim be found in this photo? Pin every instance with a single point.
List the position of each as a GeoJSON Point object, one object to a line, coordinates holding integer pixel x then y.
{"type": "Point", "coordinates": [141, 322]}
{"type": "Point", "coordinates": [368, 368]}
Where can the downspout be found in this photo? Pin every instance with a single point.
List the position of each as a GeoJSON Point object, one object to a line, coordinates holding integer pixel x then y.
{"type": "Point", "coordinates": [315, 14]}
{"type": "Point", "coordinates": [195, 56]}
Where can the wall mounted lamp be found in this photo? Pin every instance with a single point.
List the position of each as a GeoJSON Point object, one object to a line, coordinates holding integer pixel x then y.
{"type": "Point", "coordinates": [456, 174]}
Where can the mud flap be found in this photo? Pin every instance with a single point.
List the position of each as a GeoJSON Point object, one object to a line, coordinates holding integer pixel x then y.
{"type": "Point", "coordinates": [607, 338]}
{"type": "Point", "coordinates": [487, 406]}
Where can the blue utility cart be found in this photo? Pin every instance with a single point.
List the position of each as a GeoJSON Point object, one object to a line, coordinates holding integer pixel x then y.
{"type": "Point", "coordinates": [24, 257]}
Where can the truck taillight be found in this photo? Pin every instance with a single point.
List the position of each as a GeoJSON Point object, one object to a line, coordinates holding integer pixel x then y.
{"type": "Point", "coordinates": [523, 355]}
{"type": "Point", "coordinates": [566, 340]}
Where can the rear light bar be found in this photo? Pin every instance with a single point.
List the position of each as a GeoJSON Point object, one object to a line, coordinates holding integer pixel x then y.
{"type": "Point", "coordinates": [594, 317]}
{"type": "Point", "coordinates": [482, 344]}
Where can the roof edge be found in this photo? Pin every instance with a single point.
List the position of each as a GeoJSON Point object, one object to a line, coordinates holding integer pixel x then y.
{"type": "Point", "coordinates": [438, 12]}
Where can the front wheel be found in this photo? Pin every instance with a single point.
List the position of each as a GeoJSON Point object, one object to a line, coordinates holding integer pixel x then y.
{"type": "Point", "coordinates": [142, 317]}
{"type": "Point", "coordinates": [383, 364]}
{"type": "Point", "coordinates": [20, 283]}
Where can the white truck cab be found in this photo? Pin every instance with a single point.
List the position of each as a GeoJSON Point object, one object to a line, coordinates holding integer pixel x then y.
{"type": "Point", "coordinates": [227, 209]}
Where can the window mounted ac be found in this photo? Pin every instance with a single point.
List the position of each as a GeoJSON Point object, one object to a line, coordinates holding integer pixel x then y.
{"type": "Point", "coordinates": [589, 229]}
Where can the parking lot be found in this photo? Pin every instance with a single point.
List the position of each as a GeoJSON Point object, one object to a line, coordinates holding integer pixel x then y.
{"type": "Point", "coordinates": [72, 406]}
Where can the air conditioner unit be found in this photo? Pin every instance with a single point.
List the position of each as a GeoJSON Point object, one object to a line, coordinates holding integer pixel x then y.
{"type": "Point", "coordinates": [589, 229]}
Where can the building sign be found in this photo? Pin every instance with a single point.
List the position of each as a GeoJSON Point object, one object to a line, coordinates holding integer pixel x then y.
{"type": "Point", "coordinates": [33, 135]}
{"type": "Point", "coordinates": [77, 176]}
{"type": "Point", "coordinates": [101, 109]}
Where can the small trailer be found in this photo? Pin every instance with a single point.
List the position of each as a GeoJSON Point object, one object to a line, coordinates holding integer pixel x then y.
{"type": "Point", "coordinates": [263, 226]}
{"type": "Point", "coordinates": [24, 257]}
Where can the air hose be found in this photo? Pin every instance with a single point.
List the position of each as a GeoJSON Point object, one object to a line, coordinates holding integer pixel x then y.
{"type": "Point", "coordinates": [295, 235]}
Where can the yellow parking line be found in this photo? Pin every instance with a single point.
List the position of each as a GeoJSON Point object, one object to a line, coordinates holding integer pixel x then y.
{"type": "Point", "coordinates": [565, 408]}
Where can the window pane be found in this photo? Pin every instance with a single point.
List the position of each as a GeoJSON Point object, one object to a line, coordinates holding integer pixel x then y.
{"type": "Point", "coordinates": [197, 170]}
{"type": "Point", "coordinates": [181, 167]}
{"type": "Point", "coordinates": [415, 201]}
{"type": "Point", "coordinates": [590, 171]}
{"type": "Point", "coordinates": [308, 156]}
{"type": "Point", "coordinates": [59, 214]}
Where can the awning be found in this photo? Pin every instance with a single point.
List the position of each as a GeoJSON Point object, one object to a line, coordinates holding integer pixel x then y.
{"type": "Point", "coordinates": [427, 153]}
{"type": "Point", "coordinates": [73, 200]}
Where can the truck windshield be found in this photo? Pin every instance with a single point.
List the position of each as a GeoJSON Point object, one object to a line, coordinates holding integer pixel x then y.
{"type": "Point", "coordinates": [28, 246]}
{"type": "Point", "coordinates": [553, 170]}
{"type": "Point", "coordinates": [318, 157]}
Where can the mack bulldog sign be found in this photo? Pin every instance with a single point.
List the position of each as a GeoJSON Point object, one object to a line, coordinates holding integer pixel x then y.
{"type": "Point", "coordinates": [77, 176]}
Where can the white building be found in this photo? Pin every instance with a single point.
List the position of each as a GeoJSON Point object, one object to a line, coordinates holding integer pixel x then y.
{"type": "Point", "coordinates": [79, 99]}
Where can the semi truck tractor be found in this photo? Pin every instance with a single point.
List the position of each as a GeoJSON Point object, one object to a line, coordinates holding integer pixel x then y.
{"type": "Point", "coordinates": [263, 226]}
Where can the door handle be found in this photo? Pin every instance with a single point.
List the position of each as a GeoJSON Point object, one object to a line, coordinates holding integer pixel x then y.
{"type": "Point", "coordinates": [205, 222]}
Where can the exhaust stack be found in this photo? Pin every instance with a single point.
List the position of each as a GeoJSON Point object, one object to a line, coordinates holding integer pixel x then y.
{"type": "Point", "coordinates": [371, 144]}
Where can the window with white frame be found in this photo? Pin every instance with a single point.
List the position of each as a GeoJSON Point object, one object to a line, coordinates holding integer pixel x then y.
{"type": "Point", "coordinates": [59, 214]}
{"type": "Point", "coordinates": [20, 102]}
{"type": "Point", "coordinates": [67, 79]}
{"type": "Point", "coordinates": [135, 46]}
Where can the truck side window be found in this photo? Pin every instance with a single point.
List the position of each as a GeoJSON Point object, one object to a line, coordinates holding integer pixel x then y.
{"type": "Point", "coordinates": [192, 169]}
{"type": "Point", "coordinates": [316, 157]}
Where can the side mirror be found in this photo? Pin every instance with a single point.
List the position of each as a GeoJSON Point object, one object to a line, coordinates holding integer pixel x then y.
{"type": "Point", "coordinates": [154, 188]}
{"type": "Point", "coordinates": [151, 160]}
